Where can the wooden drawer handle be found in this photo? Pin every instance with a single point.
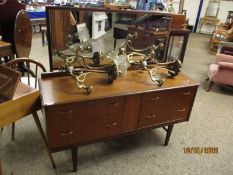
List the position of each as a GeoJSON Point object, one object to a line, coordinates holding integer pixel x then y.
{"type": "Point", "coordinates": [151, 116]}
{"type": "Point", "coordinates": [154, 98]}
{"type": "Point", "coordinates": [110, 125]}
{"type": "Point", "coordinates": [65, 112]}
{"type": "Point", "coordinates": [181, 110]}
{"type": "Point", "coordinates": [186, 93]}
{"type": "Point", "coordinates": [67, 134]}
{"type": "Point", "coordinates": [113, 104]}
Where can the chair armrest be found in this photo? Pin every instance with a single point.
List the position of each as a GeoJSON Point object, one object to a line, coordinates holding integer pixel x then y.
{"type": "Point", "coordinates": [225, 65]}
{"type": "Point", "coordinates": [225, 48]}
{"type": "Point", "coordinates": [223, 58]}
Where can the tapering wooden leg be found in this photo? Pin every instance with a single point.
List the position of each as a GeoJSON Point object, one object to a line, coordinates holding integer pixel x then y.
{"type": "Point", "coordinates": [114, 43]}
{"type": "Point", "coordinates": [210, 84]}
{"type": "Point", "coordinates": [13, 131]}
{"type": "Point", "coordinates": [1, 129]}
{"type": "Point", "coordinates": [37, 121]}
{"type": "Point", "coordinates": [169, 132]}
{"type": "Point", "coordinates": [42, 35]}
{"type": "Point", "coordinates": [74, 152]}
{"type": "Point", "coordinates": [1, 173]}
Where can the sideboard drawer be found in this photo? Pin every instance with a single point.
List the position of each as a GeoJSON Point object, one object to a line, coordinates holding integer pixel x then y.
{"type": "Point", "coordinates": [168, 97]}
{"type": "Point", "coordinates": [180, 111]}
{"type": "Point", "coordinates": [153, 116]}
{"type": "Point", "coordinates": [104, 106]}
{"type": "Point", "coordinates": [58, 114]}
{"type": "Point", "coordinates": [101, 126]}
{"type": "Point", "coordinates": [113, 124]}
{"type": "Point", "coordinates": [166, 106]}
{"type": "Point", "coordinates": [65, 134]}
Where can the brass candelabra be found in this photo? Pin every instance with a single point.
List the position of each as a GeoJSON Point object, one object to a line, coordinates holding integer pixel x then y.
{"type": "Point", "coordinates": [79, 66]}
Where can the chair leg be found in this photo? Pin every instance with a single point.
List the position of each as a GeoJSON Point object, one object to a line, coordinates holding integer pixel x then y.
{"type": "Point", "coordinates": [13, 132]}
{"type": "Point", "coordinates": [42, 37]}
{"type": "Point", "coordinates": [210, 84]}
{"type": "Point", "coordinates": [39, 127]}
{"type": "Point", "coordinates": [114, 43]}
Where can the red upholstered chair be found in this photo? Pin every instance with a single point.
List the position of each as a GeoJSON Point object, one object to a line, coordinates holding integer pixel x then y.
{"type": "Point", "coordinates": [221, 71]}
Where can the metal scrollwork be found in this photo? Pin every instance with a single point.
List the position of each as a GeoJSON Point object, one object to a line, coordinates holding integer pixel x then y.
{"type": "Point", "coordinates": [79, 65]}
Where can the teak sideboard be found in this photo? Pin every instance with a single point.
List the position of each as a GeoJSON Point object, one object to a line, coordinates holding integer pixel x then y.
{"type": "Point", "coordinates": [132, 103]}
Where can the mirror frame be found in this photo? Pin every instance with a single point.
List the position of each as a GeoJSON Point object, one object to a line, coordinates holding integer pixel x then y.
{"type": "Point", "coordinates": [156, 13]}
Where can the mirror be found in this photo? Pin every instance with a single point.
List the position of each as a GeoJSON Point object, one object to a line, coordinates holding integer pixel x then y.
{"type": "Point", "coordinates": [212, 8]}
{"type": "Point", "coordinates": [104, 30]}
{"type": "Point", "coordinates": [177, 44]}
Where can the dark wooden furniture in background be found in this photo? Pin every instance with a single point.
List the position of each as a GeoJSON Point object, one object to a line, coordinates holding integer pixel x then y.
{"type": "Point", "coordinates": [5, 52]}
{"type": "Point", "coordinates": [22, 34]}
{"type": "Point", "coordinates": [38, 22]}
{"type": "Point", "coordinates": [178, 21]}
{"type": "Point", "coordinates": [60, 22]}
{"type": "Point", "coordinates": [8, 12]}
{"type": "Point", "coordinates": [130, 104]}
{"type": "Point", "coordinates": [43, 34]}
{"type": "Point", "coordinates": [148, 38]}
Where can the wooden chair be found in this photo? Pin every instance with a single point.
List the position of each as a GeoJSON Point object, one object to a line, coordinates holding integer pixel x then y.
{"type": "Point", "coordinates": [211, 14]}
{"type": "Point", "coordinates": [22, 34]}
{"type": "Point", "coordinates": [26, 100]}
{"type": "Point", "coordinates": [223, 32]}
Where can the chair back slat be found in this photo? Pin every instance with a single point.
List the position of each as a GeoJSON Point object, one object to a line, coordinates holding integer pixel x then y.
{"type": "Point", "coordinates": [36, 76]}
{"type": "Point", "coordinates": [33, 70]}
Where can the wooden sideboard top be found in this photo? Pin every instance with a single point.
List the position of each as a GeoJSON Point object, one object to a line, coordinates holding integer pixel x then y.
{"type": "Point", "coordinates": [63, 89]}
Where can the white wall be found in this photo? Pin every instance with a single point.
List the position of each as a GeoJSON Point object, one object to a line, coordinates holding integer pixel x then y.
{"type": "Point", "coordinates": [192, 8]}
{"type": "Point", "coordinates": [225, 6]}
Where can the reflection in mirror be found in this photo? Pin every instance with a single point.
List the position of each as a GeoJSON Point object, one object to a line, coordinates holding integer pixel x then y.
{"type": "Point", "coordinates": [175, 46]}
{"type": "Point", "coordinates": [104, 31]}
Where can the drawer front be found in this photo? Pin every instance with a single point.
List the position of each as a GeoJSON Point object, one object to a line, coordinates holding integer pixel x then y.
{"type": "Point", "coordinates": [152, 116]}
{"type": "Point", "coordinates": [67, 133]}
{"type": "Point", "coordinates": [56, 115]}
{"type": "Point", "coordinates": [168, 97]}
{"type": "Point", "coordinates": [104, 106]}
{"type": "Point", "coordinates": [166, 106]}
{"type": "Point", "coordinates": [113, 124]}
{"type": "Point", "coordinates": [101, 126]}
{"type": "Point", "coordinates": [180, 111]}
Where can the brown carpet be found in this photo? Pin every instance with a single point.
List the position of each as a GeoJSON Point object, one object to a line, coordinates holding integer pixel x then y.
{"type": "Point", "coordinates": [210, 125]}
